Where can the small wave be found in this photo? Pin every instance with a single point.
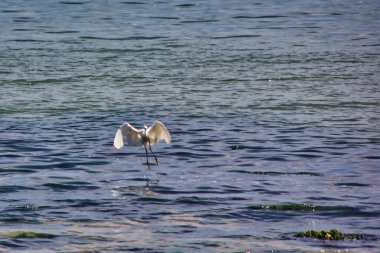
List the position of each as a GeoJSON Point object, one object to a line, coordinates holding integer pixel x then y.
{"type": "Point", "coordinates": [123, 38]}
{"type": "Point", "coordinates": [71, 186]}
{"type": "Point", "coordinates": [200, 21]}
{"type": "Point", "coordinates": [72, 2]}
{"type": "Point", "coordinates": [132, 2]}
{"type": "Point", "coordinates": [340, 211]}
{"type": "Point", "coordinates": [185, 5]}
{"type": "Point", "coordinates": [237, 36]}
{"type": "Point", "coordinates": [259, 17]}
{"type": "Point", "coordinates": [14, 188]}
{"type": "Point", "coordinates": [278, 173]}
{"type": "Point", "coordinates": [164, 17]}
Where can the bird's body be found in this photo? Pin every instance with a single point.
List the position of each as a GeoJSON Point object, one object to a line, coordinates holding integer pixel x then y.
{"type": "Point", "coordinates": [146, 136]}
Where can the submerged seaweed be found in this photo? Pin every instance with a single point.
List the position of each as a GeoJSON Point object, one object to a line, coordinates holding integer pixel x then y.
{"type": "Point", "coordinates": [29, 234]}
{"type": "Point", "coordinates": [331, 234]}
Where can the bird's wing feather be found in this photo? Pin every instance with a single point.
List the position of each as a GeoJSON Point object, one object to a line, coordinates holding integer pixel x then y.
{"type": "Point", "coordinates": [129, 133]}
{"type": "Point", "coordinates": [158, 132]}
{"type": "Point", "coordinates": [118, 140]}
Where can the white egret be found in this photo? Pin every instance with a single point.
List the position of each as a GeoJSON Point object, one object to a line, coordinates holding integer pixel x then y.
{"type": "Point", "coordinates": [146, 137]}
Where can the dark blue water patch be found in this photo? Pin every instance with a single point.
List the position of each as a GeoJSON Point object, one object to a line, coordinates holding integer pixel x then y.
{"type": "Point", "coordinates": [61, 165]}
{"type": "Point", "coordinates": [137, 249]}
{"type": "Point", "coordinates": [299, 129]}
{"type": "Point", "coordinates": [8, 243]}
{"type": "Point", "coordinates": [176, 231]}
{"type": "Point", "coordinates": [277, 173]}
{"type": "Point", "coordinates": [124, 38]}
{"type": "Point", "coordinates": [73, 2]}
{"type": "Point", "coordinates": [169, 190]}
{"type": "Point", "coordinates": [288, 140]}
{"type": "Point", "coordinates": [331, 211]}
{"type": "Point", "coordinates": [132, 2]}
{"type": "Point", "coordinates": [271, 192]}
{"type": "Point", "coordinates": [62, 32]}
{"type": "Point", "coordinates": [12, 219]}
{"type": "Point", "coordinates": [275, 158]}
{"type": "Point", "coordinates": [305, 155]}
{"type": "Point", "coordinates": [24, 29]}
{"type": "Point", "coordinates": [18, 146]}
{"type": "Point", "coordinates": [11, 11]}
{"type": "Point", "coordinates": [10, 153]}
{"type": "Point", "coordinates": [37, 167]}
{"type": "Point", "coordinates": [358, 197]}
{"type": "Point", "coordinates": [24, 20]}
{"type": "Point", "coordinates": [259, 17]}
{"type": "Point", "coordinates": [31, 40]}
{"type": "Point", "coordinates": [138, 179]}
{"type": "Point", "coordinates": [194, 200]}
{"type": "Point", "coordinates": [199, 21]}
{"type": "Point", "coordinates": [197, 191]}
{"type": "Point", "coordinates": [352, 184]}
{"type": "Point", "coordinates": [14, 188]}
{"type": "Point", "coordinates": [241, 236]}
{"type": "Point", "coordinates": [322, 198]}
{"type": "Point", "coordinates": [164, 18]}
{"type": "Point", "coordinates": [232, 189]}
{"type": "Point", "coordinates": [8, 171]}
{"type": "Point", "coordinates": [148, 180]}
{"type": "Point", "coordinates": [129, 51]}
{"type": "Point", "coordinates": [203, 244]}
{"type": "Point", "coordinates": [208, 188]}
{"type": "Point", "coordinates": [32, 243]}
{"type": "Point", "coordinates": [152, 200]}
{"type": "Point", "coordinates": [186, 154]}
{"type": "Point", "coordinates": [29, 212]}
{"type": "Point", "coordinates": [372, 157]}
{"type": "Point", "coordinates": [185, 5]}
{"type": "Point", "coordinates": [244, 214]}
{"type": "Point", "coordinates": [236, 37]}
{"type": "Point", "coordinates": [82, 202]}
{"type": "Point", "coordinates": [71, 186]}
{"type": "Point", "coordinates": [88, 239]}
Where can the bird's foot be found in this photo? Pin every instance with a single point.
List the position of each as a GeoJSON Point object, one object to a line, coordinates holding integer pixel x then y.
{"type": "Point", "coordinates": [150, 182]}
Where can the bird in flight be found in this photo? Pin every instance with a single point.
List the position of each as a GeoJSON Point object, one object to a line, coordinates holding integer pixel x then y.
{"type": "Point", "coordinates": [146, 137]}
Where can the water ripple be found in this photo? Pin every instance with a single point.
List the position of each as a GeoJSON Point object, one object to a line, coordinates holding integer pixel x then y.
{"type": "Point", "coordinates": [272, 108]}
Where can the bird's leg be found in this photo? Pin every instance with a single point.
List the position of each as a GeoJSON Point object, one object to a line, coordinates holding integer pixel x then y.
{"type": "Point", "coordinates": [158, 162]}
{"type": "Point", "coordinates": [147, 159]}
{"type": "Point", "coordinates": [147, 182]}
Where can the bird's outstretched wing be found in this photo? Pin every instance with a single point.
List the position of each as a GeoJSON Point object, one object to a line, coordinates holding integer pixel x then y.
{"type": "Point", "coordinates": [129, 133]}
{"type": "Point", "coordinates": [158, 132]}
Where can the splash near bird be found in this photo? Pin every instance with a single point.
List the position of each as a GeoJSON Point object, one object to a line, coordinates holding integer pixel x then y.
{"type": "Point", "coordinates": [146, 137]}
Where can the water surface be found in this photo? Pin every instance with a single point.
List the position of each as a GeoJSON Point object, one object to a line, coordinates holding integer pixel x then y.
{"type": "Point", "coordinates": [270, 104]}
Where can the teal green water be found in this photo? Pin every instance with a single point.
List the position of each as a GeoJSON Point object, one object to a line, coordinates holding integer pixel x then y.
{"type": "Point", "coordinates": [269, 104]}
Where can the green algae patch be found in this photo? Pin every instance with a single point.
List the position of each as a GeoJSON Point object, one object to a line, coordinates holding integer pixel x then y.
{"type": "Point", "coordinates": [331, 234]}
{"type": "Point", "coordinates": [28, 234]}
